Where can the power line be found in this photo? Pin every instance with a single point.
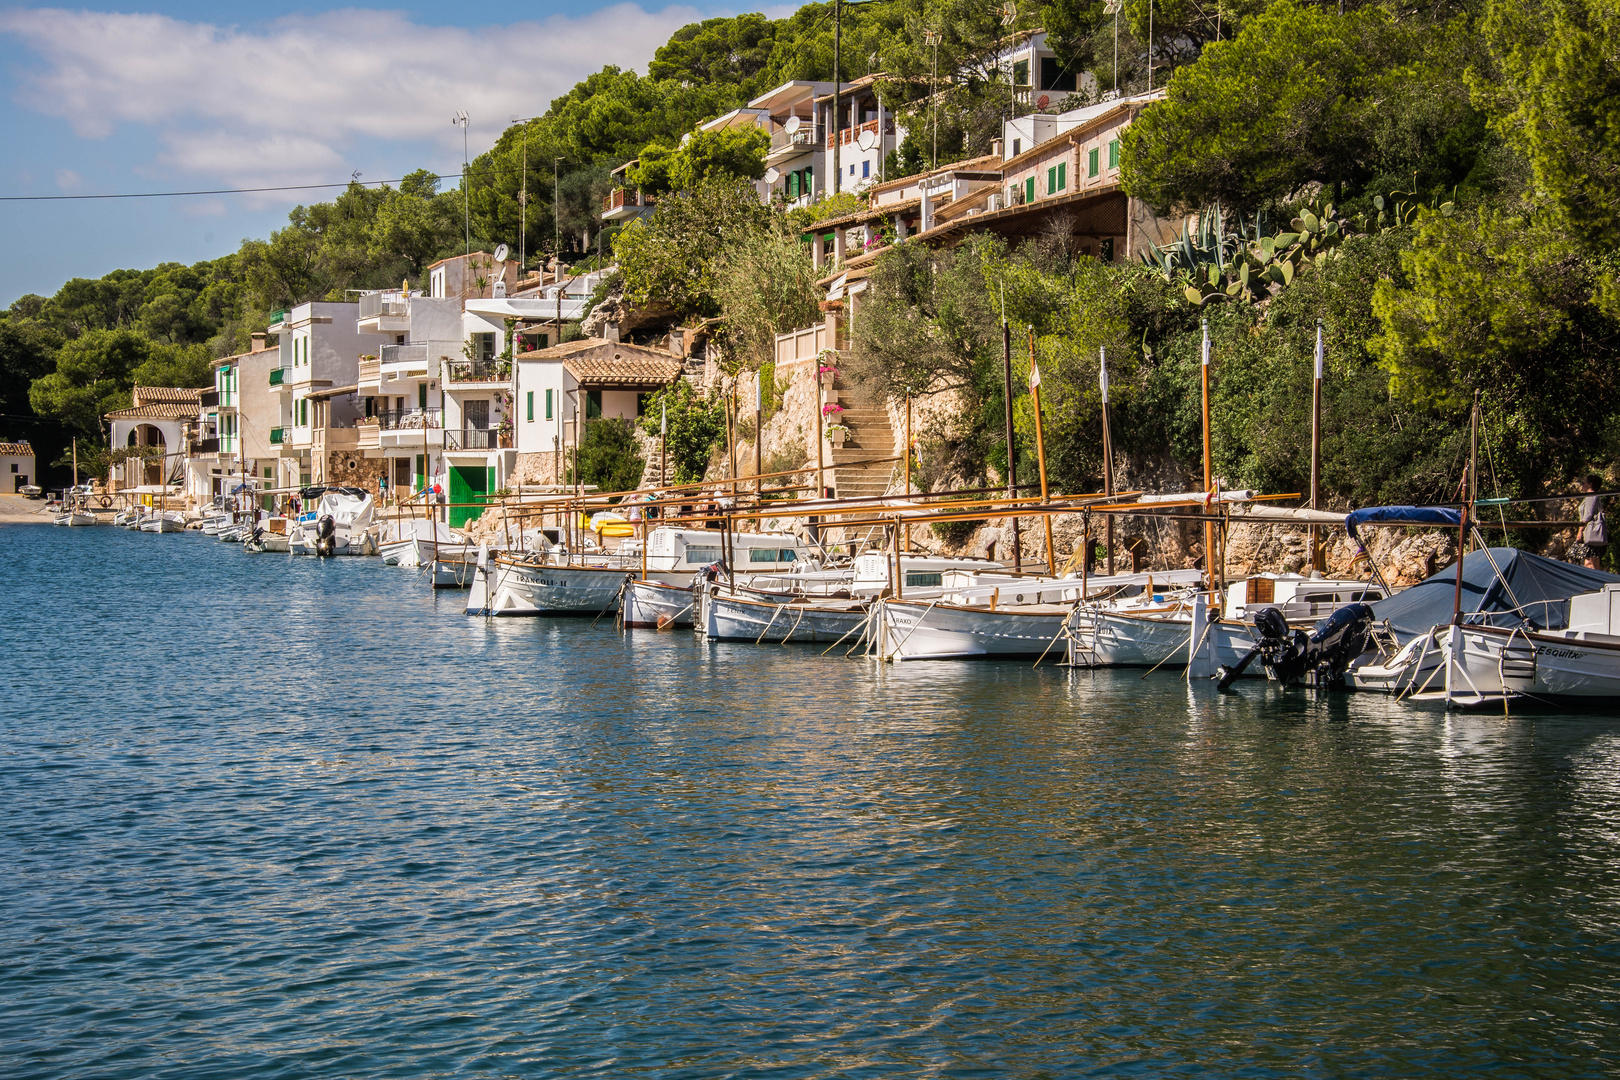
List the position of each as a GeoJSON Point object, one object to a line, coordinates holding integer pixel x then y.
{"type": "Point", "coordinates": [216, 191]}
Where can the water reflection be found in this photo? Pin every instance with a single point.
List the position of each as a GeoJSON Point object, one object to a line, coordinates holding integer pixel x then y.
{"type": "Point", "coordinates": [324, 824]}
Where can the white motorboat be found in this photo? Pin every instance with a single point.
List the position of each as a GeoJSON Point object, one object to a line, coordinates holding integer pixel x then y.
{"type": "Point", "coordinates": [340, 524]}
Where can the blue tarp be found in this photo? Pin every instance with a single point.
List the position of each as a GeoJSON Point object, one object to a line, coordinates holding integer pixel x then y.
{"type": "Point", "coordinates": [1543, 586]}
{"type": "Point", "coordinates": [1400, 515]}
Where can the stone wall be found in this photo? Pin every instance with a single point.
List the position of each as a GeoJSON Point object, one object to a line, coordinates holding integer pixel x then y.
{"type": "Point", "coordinates": [351, 468]}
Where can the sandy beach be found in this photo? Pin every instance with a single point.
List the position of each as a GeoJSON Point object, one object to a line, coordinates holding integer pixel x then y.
{"type": "Point", "coordinates": [16, 510]}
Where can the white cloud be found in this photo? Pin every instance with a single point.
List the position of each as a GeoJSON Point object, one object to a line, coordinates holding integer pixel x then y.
{"type": "Point", "coordinates": [68, 180]}
{"type": "Point", "coordinates": [291, 101]}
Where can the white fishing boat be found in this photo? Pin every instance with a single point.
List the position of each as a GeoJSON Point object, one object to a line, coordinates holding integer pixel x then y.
{"type": "Point", "coordinates": [453, 571]}
{"type": "Point", "coordinates": [76, 518]}
{"type": "Point", "coordinates": [553, 581]}
{"type": "Point", "coordinates": [744, 615]}
{"type": "Point", "coordinates": [921, 629]}
{"type": "Point", "coordinates": [657, 605]}
{"type": "Point", "coordinates": [168, 521]}
{"type": "Point", "coordinates": [413, 542]}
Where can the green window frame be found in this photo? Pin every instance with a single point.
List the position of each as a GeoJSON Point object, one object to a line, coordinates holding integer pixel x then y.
{"type": "Point", "coordinates": [548, 404]}
{"type": "Point", "coordinates": [1092, 161]}
{"type": "Point", "coordinates": [593, 404]}
{"type": "Point", "coordinates": [1113, 153]}
{"type": "Point", "coordinates": [1029, 190]}
{"type": "Point", "coordinates": [529, 401]}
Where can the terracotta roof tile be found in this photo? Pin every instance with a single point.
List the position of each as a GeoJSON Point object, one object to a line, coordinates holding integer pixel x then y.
{"type": "Point", "coordinates": [158, 411]}
{"type": "Point", "coordinates": [622, 370]}
{"type": "Point", "coordinates": [13, 449]}
{"type": "Point", "coordinates": [151, 395]}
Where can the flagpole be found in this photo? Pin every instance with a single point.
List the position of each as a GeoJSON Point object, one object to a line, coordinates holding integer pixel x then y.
{"type": "Point", "coordinates": [1316, 445]}
{"type": "Point", "coordinates": [1108, 458]}
{"type": "Point", "coordinates": [1040, 448]}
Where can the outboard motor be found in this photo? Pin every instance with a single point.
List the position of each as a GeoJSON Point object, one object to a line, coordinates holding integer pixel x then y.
{"type": "Point", "coordinates": [1319, 658]}
{"type": "Point", "coordinates": [325, 535]}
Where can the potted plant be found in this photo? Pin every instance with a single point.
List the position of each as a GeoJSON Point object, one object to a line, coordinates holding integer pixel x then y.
{"type": "Point", "coordinates": [828, 375]}
{"type": "Point", "coordinates": [836, 434]}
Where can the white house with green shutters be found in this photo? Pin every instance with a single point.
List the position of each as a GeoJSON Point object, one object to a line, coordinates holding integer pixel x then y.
{"type": "Point", "coordinates": [319, 346]}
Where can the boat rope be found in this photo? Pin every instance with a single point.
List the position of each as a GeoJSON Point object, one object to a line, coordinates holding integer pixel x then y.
{"type": "Point", "coordinates": [1063, 629]}
{"type": "Point", "coordinates": [858, 626]}
{"type": "Point", "coordinates": [796, 623]}
{"type": "Point", "coordinates": [779, 609]}
{"type": "Point", "coordinates": [902, 642]}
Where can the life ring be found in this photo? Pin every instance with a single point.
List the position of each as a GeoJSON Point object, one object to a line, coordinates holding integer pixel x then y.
{"type": "Point", "coordinates": [106, 501]}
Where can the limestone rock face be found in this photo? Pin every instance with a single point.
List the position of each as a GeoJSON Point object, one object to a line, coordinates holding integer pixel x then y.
{"type": "Point", "coordinates": [615, 309]}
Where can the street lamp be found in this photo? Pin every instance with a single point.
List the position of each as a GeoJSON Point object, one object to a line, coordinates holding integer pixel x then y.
{"type": "Point", "coordinates": [523, 193]}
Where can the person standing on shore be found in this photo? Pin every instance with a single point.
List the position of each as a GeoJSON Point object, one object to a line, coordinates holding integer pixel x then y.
{"type": "Point", "coordinates": [1594, 532]}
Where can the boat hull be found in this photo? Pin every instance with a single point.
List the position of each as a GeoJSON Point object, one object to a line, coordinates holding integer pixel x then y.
{"type": "Point", "coordinates": [513, 588]}
{"type": "Point", "coordinates": [657, 605]}
{"type": "Point", "coordinates": [920, 630]}
{"type": "Point", "coordinates": [729, 617]}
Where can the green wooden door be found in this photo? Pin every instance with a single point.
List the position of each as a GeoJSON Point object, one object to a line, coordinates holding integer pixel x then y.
{"type": "Point", "coordinates": [468, 484]}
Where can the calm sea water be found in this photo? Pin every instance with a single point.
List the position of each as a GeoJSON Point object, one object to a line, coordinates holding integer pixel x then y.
{"type": "Point", "coordinates": [272, 817]}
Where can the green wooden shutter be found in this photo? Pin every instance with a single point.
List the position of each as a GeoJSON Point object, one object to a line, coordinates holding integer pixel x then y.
{"type": "Point", "coordinates": [421, 396]}
{"type": "Point", "coordinates": [1113, 153]}
{"type": "Point", "coordinates": [530, 403]}
{"type": "Point", "coordinates": [548, 404]}
{"type": "Point", "coordinates": [1029, 190]}
{"type": "Point", "coordinates": [1063, 175]}
{"type": "Point", "coordinates": [1051, 180]}
{"type": "Point", "coordinates": [1091, 161]}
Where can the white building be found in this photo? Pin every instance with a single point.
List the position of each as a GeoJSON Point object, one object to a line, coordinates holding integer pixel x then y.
{"type": "Point", "coordinates": [558, 390]}
{"type": "Point", "coordinates": [796, 165]}
{"type": "Point", "coordinates": [158, 423]}
{"type": "Point", "coordinates": [17, 462]}
{"type": "Point", "coordinates": [399, 383]}
{"type": "Point", "coordinates": [319, 347]}
{"type": "Point", "coordinates": [237, 430]}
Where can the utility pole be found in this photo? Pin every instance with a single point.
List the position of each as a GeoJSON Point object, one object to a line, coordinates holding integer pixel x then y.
{"type": "Point", "coordinates": [523, 195]}
{"type": "Point", "coordinates": [1150, 46]}
{"type": "Point", "coordinates": [466, 180]}
{"type": "Point", "coordinates": [1012, 448]}
{"type": "Point", "coordinates": [931, 37]}
{"type": "Point", "coordinates": [556, 224]}
{"type": "Point", "coordinates": [837, 110]}
{"type": "Point", "coordinates": [1112, 7]}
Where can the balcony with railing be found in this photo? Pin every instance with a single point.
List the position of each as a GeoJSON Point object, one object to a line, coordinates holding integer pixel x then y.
{"type": "Point", "coordinates": [785, 145]}
{"type": "Point", "coordinates": [390, 302]}
{"type": "Point", "coordinates": [852, 134]}
{"type": "Point", "coordinates": [475, 439]}
{"type": "Point", "coordinates": [403, 359]}
{"type": "Point", "coordinates": [623, 203]}
{"type": "Point", "coordinates": [407, 428]}
{"type": "Point", "coordinates": [478, 372]}
{"type": "Point", "coordinates": [369, 373]}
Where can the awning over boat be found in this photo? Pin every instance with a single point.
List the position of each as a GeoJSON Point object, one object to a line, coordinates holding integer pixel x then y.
{"type": "Point", "coordinates": [1400, 515]}
{"type": "Point", "coordinates": [1541, 586]}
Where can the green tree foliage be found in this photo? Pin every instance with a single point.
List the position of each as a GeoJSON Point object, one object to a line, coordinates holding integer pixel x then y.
{"type": "Point", "coordinates": [608, 456]}
{"type": "Point", "coordinates": [673, 257]}
{"type": "Point", "coordinates": [737, 153]}
{"type": "Point", "coordinates": [1258, 116]}
{"type": "Point", "coordinates": [1554, 89]}
{"type": "Point", "coordinates": [735, 51]}
{"type": "Point", "coordinates": [765, 284]}
{"type": "Point", "coordinates": [697, 424]}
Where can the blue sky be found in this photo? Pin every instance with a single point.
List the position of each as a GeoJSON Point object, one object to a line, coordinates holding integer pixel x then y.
{"type": "Point", "coordinates": [187, 95]}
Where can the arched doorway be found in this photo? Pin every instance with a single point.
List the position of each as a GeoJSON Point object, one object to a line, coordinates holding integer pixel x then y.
{"type": "Point", "coordinates": [152, 466]}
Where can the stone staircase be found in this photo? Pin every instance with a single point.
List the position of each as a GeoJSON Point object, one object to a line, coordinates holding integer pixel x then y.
{"type": "Point", "coordinates": [870, 437]}
{"type": "Point", "coordinates": [650, 476]}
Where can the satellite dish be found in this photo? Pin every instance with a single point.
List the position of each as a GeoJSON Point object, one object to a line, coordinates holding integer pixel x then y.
{"type": "Point", "coordinates": [867, 140]}
{"type": "Point", "coordinates": [500, 253]}
{"type": "Point", "coordinates": [771, 175]}
{"type": "Point", "coordinates": [792, 126]}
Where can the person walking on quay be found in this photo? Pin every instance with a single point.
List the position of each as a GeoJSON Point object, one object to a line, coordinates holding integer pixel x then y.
{"type": "Point", "coordinates": [1594, 532]}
